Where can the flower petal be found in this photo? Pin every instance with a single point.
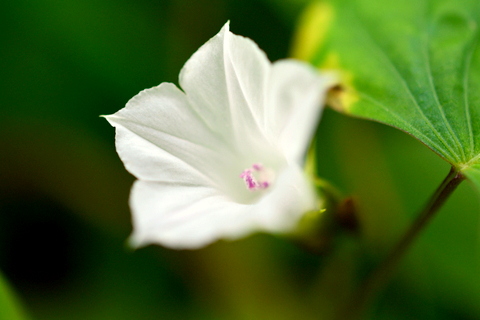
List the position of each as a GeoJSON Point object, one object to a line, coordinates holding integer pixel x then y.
{"type": "Point", "coordinates": [188, 150]}
{"type": "Point", "coordinates": [296, 95]}
{"type": "Point", "coordinates": [160, 138]}
{"type": "Point", "coordinates": [225, 81]}
{"type": "Point", "coordinates": [186, 217]}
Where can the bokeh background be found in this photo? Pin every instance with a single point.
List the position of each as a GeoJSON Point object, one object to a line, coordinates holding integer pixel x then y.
{"type": "Point", "coordinates": [64, 216]}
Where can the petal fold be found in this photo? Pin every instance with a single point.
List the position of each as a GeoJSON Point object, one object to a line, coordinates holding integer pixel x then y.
{"type": "Point", "coordinates": [296, 95]}
{"type": "Point", "coordinates": [225, 82]}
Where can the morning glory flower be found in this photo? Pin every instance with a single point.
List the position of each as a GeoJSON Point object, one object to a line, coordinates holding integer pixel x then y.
{"type": "Point", "coordinates": [223, 158]}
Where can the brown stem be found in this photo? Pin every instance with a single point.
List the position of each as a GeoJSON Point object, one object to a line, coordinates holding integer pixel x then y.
{"type": "Point", "coordinates": [382, 273]}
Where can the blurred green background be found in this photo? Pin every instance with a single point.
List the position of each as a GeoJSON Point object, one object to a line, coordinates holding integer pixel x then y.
{"type": "Point", "coordinates": [64, 215]}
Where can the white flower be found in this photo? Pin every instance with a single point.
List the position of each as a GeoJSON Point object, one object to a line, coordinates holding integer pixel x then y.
{"type": "Point", "coordinates": [224, 158]}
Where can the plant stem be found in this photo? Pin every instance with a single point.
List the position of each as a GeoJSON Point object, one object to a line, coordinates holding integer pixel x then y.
{"type": "Point", "coordinates": [382, 273]}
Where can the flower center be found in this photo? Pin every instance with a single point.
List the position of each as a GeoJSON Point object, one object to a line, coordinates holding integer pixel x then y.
{"type": "Point", "coordinates": [257, 177]}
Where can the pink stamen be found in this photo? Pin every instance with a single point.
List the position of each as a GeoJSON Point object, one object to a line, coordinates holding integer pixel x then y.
{"type": "Point", "coordinates": [245, 173]}
{"type": "Point", "coordinates": [250, 181]}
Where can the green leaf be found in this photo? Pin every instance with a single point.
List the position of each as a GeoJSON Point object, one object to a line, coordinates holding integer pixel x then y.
{"type": "Point", "coordinates": [9, 306]}
{"type": "Point", "coordinates": [411, 64]}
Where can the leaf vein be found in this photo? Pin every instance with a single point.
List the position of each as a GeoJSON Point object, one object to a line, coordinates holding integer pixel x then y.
{"type": "Point", "coordinates": [387, 59]}
{"type": "Point", "coordinates": [466, 88]}
{"type": "Point", "coordinates": [431, 82]}
{"type": "Point", "coordinates": [433, 145]}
